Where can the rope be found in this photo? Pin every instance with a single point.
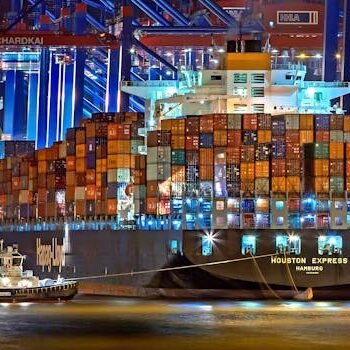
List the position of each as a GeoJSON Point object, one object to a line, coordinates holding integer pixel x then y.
{"type": "Point", "coordinates": [168, 268]}
{"type": "Point", "coordinates": [290, 275]}
{"type": "Point", "coordinates": [264, 280]}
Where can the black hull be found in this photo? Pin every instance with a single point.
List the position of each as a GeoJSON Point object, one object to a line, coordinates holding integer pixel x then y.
{"type": "Point", "coordinates": [55, 293]}
{"type": "Point", "coordinates": [115, 257]}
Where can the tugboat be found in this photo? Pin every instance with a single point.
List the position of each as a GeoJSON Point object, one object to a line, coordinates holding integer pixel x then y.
{"type": "Point", "coordinates": [17, 285]}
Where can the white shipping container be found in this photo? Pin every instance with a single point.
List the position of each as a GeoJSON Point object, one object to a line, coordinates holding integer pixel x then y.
{"type": "Point", "coordinates": [234, 121]}
{"type": "Point", "coordinates": [164, 154]}
{"type": "Point", "coordinates": [62, 150]}
{"type": "Point", "coordinates": [163, 171]}
{"type": "Point", "coordinates": [135, 144]}
{"type": "Point", "coordinates": [23, 196]}
{"type": "Point", "coordinates": [152, 171]}
{"type": "Point", "coordinates": [336, 136]}
{"type": "Point", "coordinates": [139, 192]}
{"type": "Point", "coordinates": [79, 193]}
{"type": "Point", "coordinates": [152, 155]}
{"type": "Point", "coordinates": [177, 189]}
{"type": "Point", "coordinates": [123, 175]}
{"type": "Point", "coordinates": [111, 175]}
{"type": "Point", "coordinates": [292, 121]}
{"type": "Point", "coordinates": [346, 136]}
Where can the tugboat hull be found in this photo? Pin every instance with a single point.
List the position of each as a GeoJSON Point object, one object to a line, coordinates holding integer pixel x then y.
{"type": "Point", "coordinates": [54, 293]}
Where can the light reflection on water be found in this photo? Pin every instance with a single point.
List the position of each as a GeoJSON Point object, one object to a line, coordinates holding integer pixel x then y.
{"type": "Point", "coordinates": [111, 323]}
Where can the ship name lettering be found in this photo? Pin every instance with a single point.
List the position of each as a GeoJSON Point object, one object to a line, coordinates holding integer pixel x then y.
{"type": "Point", "coordinates": [21, 40]}
{"type": "Point", "coordinates": [309, 268]}
{"type": "Point", "coordinates": [289, 17]}
{"type": "Point", "coordinates": [289, 260]}
{"type": "Point", "coordinates": [48, 255]}
{"type": "Point", "coordinates": [329, 260]}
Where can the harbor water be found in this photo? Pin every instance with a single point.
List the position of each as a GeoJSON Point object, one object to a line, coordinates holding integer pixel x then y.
{"type": "Point", "coordinates": [111, 323]}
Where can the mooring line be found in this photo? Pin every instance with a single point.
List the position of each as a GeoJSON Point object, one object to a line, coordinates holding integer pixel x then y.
{"type": "Point", "coordinates": [132, 273]}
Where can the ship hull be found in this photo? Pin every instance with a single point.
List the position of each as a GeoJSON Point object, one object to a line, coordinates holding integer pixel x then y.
{"type": "Point", "coordinates": [54, 293]}
{"type": "Point", "coordinates": [109, 262]}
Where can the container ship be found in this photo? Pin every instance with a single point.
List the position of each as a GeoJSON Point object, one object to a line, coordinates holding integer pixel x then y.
{"type": "Point", "coordinates": [239, 191]}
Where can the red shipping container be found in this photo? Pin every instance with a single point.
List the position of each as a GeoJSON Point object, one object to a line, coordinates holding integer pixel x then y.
{"type": "Point", "coordinates": [292, 136]}
{"type": "Point", "coordinates": [250, 122]}
{"type": "Point", "coordinates": [293, 151]}
{"type": "Point", "coordinates": [293, 167]}
{"type": "Point", "coordinates": [233, 155]}
{"type": "Point", "coordinates": [220, 121]}
{"type": "Point", "coordinates": [336, 168]}
{"type": "Point", "coordinates": [322, 136]}
{"type": "Point", "coordinates": [152, 206]}
{"type": "Point", "coordinates": [234, 138]}
{"type": "Point", "coordinates": [192, 143]}
{"type": "Point", "coordinates": [264, 121]}
{"type": "Point", "coordinates": [206, 124]}
{"type": "Point", "coordinates": [192, 126]}
{"type": "Point", "coordinates": [248, 153]}
{"type": "Point", "coordinates": [278, 167]}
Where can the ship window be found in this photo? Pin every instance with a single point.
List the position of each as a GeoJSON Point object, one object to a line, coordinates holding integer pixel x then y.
{"type": "Point", "coordinates": [240, 77]}
{"type": "Point", "coordinates": [258, 108]}
{"type": "Point", "coordinates": [288, 244]}
{"type": "Point", "coordinates": [248, 245]}
{"type": "Point", "coordinates": [258, 78]}
{"type": "Point", "coordinates": [215, 77]}
{"type": "Point", "coordinates": [279, 205]}
{"type": "Point", "coordinates": [279, 220]}
{"type": "Point", "coordinates": [207, 245]}
{"type": "Point", "coordinates": [240, 91]}
{"type": "Point", "coordinates": [237, 108]}
{"type": "Point", "coordinates": [173, 246]}
{"type": "Point", "coordinates": [258, 92]}
{"type": "Point", "coordinates": [289, 77]}
{"type": "Point", "coordinates": [330, 245]}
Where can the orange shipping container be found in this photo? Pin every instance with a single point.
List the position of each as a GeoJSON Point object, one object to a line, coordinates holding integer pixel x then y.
{"type": "Point", "coordinates": [165, 125]}
{"type": "Point", "coordinates": [220, 138]}
{"type": "Point", "coordinates": [336, 150]}
{"type": "Point", "coordinates": [90, 176]}
{"type": "Point", "coordinates": [262, 169]}
{"type": "Point", "coordinates": [346, 123]}
{"type": "Point", "coordinates": [177, 141]}
{"type": "Point", "coordinates": [80, 150]}
{"type": "Point", "coordinates": [206, 172]}
{"type": "Point", "coordinates": [306, 136]}
{"type": "Point", "coordinates": [118, 146]}
{"type": "Point", "coordinates": [264, 136]}
{"type": "Point", "coordinates": [293, 184]}
{"type": "Point", "coordinates": [306, 121]}
{"type": "Point", "coordinates": [321, 167]}
{"type": "Point", "coordinates": [292, 136]}
{"type": "Point", "coordinates": [70, 178]}
{"type": "Point", "coordinates": [101, 165]}
{"type": "Point", "coordinates": [220, 121]}
{"type": "Point", "coordinates": [322, 136]}
{"type": "Point", "coordinates": [247, 171]}
{"type": "Point", "coordinates": [111, 206]}
{"type": "Point", "coordinates": [41, 154]}
{"type": "Point", "coordinates": [152, 206]}
{"type": "Point", "coordinates": [16, 183]}
{"type": "Point", "coordinates": [42, 167]}
{"type": "Point", "coordinates": [90, 130]}
{"type": "Point", "coordinates": [90, 192]}
{"type": "Point", "coordinates": [278, 184]}
{"type": "Point", "coordinates": [178, 173]}
{"type": "Point", "coordinates": [115, 161]}
{"type": "Point", "coordinates": [322, 184]}
{"type": "Point", "coordinates": [70, 163]}
{"type": "Point", "coordinates": [206, 156]}
{"type": "Point", "coordinates": [178, 126]}
{"type": "Point", "coordinates": [80, 165]}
